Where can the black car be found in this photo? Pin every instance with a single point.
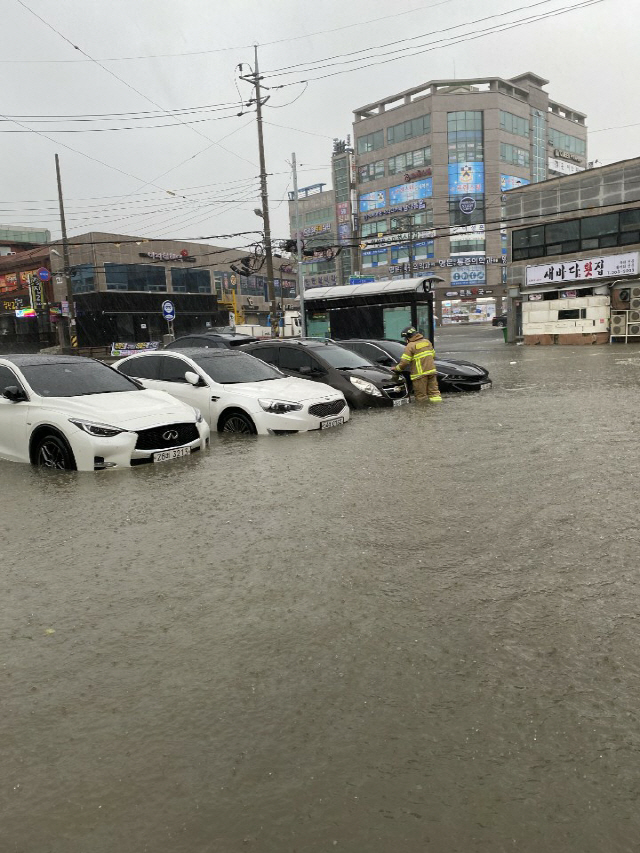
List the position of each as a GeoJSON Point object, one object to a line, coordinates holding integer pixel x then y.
{"type": "Point", "coordinates": [453, 375]}
{"type": "Point", "coordinates": [499, 320]}
{"type": "Point", "coordinates": [212, 340]}
{"type": "Point", "coordinates": [362, 382]}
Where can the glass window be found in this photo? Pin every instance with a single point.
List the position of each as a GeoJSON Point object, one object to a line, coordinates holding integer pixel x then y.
{"type": "Point", "coordinates": [467, 244]}
{"type": "Point", "coordinates": [187, 280]}
{"type": "Point", "coordinates": [559, 232]}
{"type": "Point", "coordinates": [8, 377]}
{"type": "Point", "coordinates": [374, 229]}
{"type": "Point", "coordinates": [465, 136]}
{"type": "Point", "coordinates": [144, 277]}
{"type": "Point", "coordinates": [318, 217]}
{"type": "Point", "coordinates": [174, 369]}
{"type": "Point", "coordinates": [459, 217]}
{"type": "Point", "coordinates": [417, 159]}
{"type": "Point", "coordinates": [565, 142]}
{"type": "Point", "coordinates": [229, 367]}
{"type": "Point", "coordinates": [371, 172]}
{"type": "Point", "coordinates": [268, 354]}
{"type": "Point", "coordinates": [514, 155]}
{"type": "Point", "coordinates": [597, 226]}
{"type": "Point", "coordinates": [514, 124]}
{"type": "Point", "coordinates": [370, 142]}
{"type": "Point", "coordinates": [142, 367]}
{"type": "Point", "coordinates": [75, 379]}
{"type": "Point", "coordinates": [337, 356]}
{"type": "Point", "coordinates": [409, 129]}
{"type": "Point", "coordinates": [400, 254]}
{"type": "Point", "coordinates": [400, 223]}
{"type": "Point", "coordinates": [374, 258]}
{"type": "Point", "coordinates": [83, 279]}
{"type": "Point", "coordinates": [292, 358]}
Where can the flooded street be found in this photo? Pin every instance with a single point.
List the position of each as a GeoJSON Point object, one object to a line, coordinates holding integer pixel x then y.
{"type": "Point", "coordinates": [417, 632]}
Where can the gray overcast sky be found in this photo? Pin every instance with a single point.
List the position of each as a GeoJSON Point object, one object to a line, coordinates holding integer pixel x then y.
{"type": "Point", "coordinates": [587, 54]}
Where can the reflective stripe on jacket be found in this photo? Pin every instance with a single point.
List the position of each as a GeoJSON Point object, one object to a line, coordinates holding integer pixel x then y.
{"type": "Point", "coordinates": [418, 356]}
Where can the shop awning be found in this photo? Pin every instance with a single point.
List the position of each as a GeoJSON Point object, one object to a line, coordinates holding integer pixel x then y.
{"type": "Point", "coordinates": [373, 288]}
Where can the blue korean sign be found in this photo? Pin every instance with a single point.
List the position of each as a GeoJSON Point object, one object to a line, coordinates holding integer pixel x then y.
{"type": "Point", "coordinates": [361, 279]}
{"type": "Point", "coordinates": [168, 310]}
{"type": "Point", "coordinates": [467, 275]}
{"type": "Point", "coordinates": [466, 178]}
{"type": "Point", "coordinates": [411, 192]}
{"type": "Point", "coordinates": [372, 201]}
{"type": "Point", "coordinates": [510, 182]}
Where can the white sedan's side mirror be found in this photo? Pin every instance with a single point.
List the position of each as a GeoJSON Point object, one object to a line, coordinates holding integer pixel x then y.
{"type": "Point", "coordinates": [192, 378]}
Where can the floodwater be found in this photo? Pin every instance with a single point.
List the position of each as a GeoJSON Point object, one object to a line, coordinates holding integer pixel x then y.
{"type": "Point", "coordinates": [415, 633]}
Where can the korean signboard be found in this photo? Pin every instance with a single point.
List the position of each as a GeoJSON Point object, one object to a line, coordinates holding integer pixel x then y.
{"type": "Point", "coordinates": [326, 280]}
{"type": "Point", "coordinates": [563, 167]}
{"type": "Point", "coordinates": [468, 275]}
{"type": "Point", "coordinates": [401, 208]}
{"type": "Point", "coordinates": [372, 201]}
{"type": "Point", "coordinates": [37, 294]}
{"type": "Point", "coordinates": [466, 178]}
{"type": "Point", "coordinates": [510, 182]}
{"type": "Point", "coordinates": [411, 192]}
{"type": "Point", "coordinates": [8, 282]}
{"type": "Point", "coordinates": [590, 269]}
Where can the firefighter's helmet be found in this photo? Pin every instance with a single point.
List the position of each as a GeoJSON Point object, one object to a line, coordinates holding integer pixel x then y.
{"type": "Point", "coordinates": [409, 332]}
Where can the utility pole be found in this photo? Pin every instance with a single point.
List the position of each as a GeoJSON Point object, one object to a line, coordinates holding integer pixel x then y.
{"type": "Point", "coordinates": [72, 335]}
{"type": "Point", "coordinates": [255, 80]}
{"type": "Point", "coordinates": [303, 319]}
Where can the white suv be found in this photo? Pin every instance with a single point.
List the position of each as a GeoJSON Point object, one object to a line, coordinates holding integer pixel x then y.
{"type": "Point", "coordinates": [75, 413]}
{"type": "Point", "coordinates": [237, 392]}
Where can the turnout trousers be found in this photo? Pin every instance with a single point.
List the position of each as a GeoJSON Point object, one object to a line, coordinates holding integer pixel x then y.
{"type": "Point", "coordinates": [426, 387]}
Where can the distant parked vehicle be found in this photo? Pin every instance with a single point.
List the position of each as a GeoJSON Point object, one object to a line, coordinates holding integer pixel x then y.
{"type": "Point", "coordinates": [74, 413]}
{"type": "Point", "coordinates": [239, 393]}
{"type": "Point", "coordinates": [453, 374]}
{"type": "Point", "coordinates": [499, 320]}
{"type": "Point", "coordinates": [363, 383]}
{"type": "Point", "coordinates": [222, 339]}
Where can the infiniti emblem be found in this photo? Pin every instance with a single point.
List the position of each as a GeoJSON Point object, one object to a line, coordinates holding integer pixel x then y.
{"type": "Point", "coordinates": [170, 435]}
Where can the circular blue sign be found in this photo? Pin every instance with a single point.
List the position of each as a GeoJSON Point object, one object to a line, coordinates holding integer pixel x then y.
{"type": "Point", "coordinates": [168, 310]}
{"type": "Point", "coordinates": [43, 274]}
{"type": "Point", "coordinates": [467, 204]}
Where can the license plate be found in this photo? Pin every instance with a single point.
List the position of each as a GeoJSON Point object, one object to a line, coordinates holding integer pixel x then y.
{"type": "Point", "coordinates": [401, 402]}
{"type": "Point", "coordinates": [333, 422]}
{"type": "Point", "coordinates": [485, 387]}
{"type": "Point", "coordinates": [167, 455]}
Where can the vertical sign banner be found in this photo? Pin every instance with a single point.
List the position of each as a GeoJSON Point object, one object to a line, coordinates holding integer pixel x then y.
{"type": "Point", "coordinates": [466, 178]}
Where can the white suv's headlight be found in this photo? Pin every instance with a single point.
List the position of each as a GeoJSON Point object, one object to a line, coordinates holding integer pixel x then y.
{"type": "Point", "coordinates": [363, 385]}
{"type": "Point", "coordinates": [99, 430]}
{"type": "Point", "coordinates": [198, 415]}
{"type": "Point", "coordinates": [279, 407]}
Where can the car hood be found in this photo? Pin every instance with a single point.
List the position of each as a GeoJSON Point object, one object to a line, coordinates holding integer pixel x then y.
{"type": "Point", "coordinates": [378, 376]}
{"type": "Point", "coordinates": [290, 389]}
{"type": "Point", "coordinates": [454, 367]}
{"type": "Point", "coordinates": [128, 409]}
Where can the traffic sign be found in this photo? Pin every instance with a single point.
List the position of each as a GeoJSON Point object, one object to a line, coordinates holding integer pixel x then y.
{"type": "Point", "coordinates": [168, 310]}
{"type": "Point", "coordinates": [43, 274]}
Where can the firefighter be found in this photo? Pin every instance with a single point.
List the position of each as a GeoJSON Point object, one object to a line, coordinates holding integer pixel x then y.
{"type": "Point", "coordinates": [418, 357]}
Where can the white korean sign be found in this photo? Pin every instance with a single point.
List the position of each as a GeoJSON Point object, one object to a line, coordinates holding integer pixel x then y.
{"type": "Point", "coordinates": [563, 167]}
{"type": "Point", "coordinates": [608, 266]}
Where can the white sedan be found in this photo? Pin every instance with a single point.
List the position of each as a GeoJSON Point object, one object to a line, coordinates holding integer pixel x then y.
{"type": "Point", "coordinates": [237, 392]}
{"type": "Point", "coordinates": [75, 413]}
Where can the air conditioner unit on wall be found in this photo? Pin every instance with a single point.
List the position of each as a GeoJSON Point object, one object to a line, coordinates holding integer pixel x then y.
{"type": "Point", "coordinates": [634, 292]}
{"type": "Point", "coordinates": [634, 317]}
{"type": "Point", "coordinates": [634, 302]}
{"type": "Point", "coordinates": [618, 324]}
{"type": "Point", "coordinates": [633, 329]}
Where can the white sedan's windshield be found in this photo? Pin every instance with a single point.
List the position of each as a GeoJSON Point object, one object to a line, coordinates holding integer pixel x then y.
{"type": "Point", "coordinates": [230, 368]}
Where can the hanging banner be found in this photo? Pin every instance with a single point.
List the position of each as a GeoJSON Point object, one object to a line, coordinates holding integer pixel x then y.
{"type": "Point", "coordinates": [465, 178]}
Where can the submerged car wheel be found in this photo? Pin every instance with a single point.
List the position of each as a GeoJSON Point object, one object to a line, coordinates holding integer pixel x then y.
{"type": "Point", "coordinates": [51, 451]}
{"type": "Point", "coordinates": [237, 422]}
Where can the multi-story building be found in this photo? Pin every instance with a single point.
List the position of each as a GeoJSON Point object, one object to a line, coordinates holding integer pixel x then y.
{"type": "Point", "coordinates": [318, 229]}
{"type": "Point", "coordinates": [432, 164]}
{"type": "Point", "coordinates": [20, 238]}
{"type": "Point", "coordinates": [574, 275]}
{"type": "Point", "coordinates": [119, 283]}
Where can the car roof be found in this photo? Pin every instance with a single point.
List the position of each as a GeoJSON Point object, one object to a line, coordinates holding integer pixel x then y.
{"type": "Point", "coordinates": [26, 360]}
{"type": "Point", "coordinates": [193, 352]}
{"type": "Point", "coordinates": [297, 342]}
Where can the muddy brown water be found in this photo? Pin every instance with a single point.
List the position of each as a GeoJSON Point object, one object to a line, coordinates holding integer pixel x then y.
{"type": "Point", "coordinates": [416, 633]}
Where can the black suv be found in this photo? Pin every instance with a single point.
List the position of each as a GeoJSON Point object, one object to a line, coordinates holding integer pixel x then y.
{"type": "Point", "coordinates": [211, 340]}
{"type": "Point", "coordinates": [362, 383]}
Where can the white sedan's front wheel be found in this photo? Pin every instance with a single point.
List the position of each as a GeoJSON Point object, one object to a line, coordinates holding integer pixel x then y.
{"type": "Point", "coordinates": [51, 451]}
{"type": "Point", "coordinates": [237, 422]}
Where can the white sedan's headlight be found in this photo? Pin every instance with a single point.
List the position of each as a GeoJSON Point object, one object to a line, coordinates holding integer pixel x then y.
{"type": "Point", "coordinates": [363, 385]}
{"type": "Point", "coordinates": [198, 415]}
{"type": "Point", "coordinates": [279, 407]}
{"type": "Point", "coordinates": [98, 430]}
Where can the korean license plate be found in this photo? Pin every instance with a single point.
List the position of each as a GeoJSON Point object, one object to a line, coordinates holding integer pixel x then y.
{"type": "Point", "coordinates": [486, 386]}
{"type": "Point", "coordinates": [332, 423]}
{"type": "Point", "coordinates": [167, 455]}
{"type": "Point", "coordinates": [401, 401]}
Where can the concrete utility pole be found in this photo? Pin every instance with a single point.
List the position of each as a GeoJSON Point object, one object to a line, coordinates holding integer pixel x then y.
{"type": "Point", "coordinates": [72, 335]}
{"type": "Point", "coordinates": [303, 319]}
{"type": "Point", "coordinates": [255, 80]}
